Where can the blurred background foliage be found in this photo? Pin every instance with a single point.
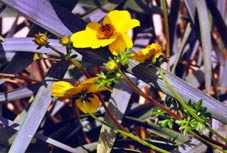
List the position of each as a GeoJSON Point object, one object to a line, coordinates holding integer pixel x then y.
{"type": "Point", "coordinates": [198, 39]}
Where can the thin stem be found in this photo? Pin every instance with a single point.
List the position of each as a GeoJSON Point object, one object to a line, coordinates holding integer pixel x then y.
{"type": "Point", "coordinates": [111, 115]}
{"type": "Point", "coordinates": [124, 133]}
{"type": "Point", "coordinates": [166, 32]}
{"type": "Point", "coordinates": [79, 66]}
{"type": "Point", "coordinates": [55, 50]}
{"type": "Point", "coordinates": [185, 106]}
{"type": "Point", "coordinates": [149, 98]}
{"type": "Point", "coordinates": [204, 140]}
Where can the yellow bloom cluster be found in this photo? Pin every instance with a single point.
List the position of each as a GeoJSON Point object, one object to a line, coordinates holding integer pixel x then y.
{"type": "Point", "coordinates": [83, 92]}
{"type": "Point", "coordinates": [112, 31]}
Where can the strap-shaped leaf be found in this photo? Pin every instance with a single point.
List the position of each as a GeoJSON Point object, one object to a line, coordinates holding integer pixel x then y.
{"type": "Point", "coordinates": [52, 17]}
{"type": "Point", "coordinates": [37, 110]}
{"type": "Point", "coordinates": [15, 127]}
{"type": "Point", "coordinates": [206, 41]}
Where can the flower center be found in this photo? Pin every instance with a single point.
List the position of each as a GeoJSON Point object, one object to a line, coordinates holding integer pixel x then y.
{"type": "Point", "coordinates": [105, 31]}
{"type": "Point", "coordinates": [84, 96]}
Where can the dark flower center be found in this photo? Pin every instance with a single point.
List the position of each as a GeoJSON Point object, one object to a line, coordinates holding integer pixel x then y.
{"type": "Point", "coordinates": [105, 31]}
{"type": "Point", "coordinates": [84, 96]}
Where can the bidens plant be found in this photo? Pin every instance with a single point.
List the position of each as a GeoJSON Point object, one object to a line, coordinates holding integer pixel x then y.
{"type": "Point", "coordinates": [112, 32]}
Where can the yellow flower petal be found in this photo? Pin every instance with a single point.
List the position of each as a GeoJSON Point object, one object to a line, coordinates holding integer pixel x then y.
{"type": "Point", "coordinates": [147, 53]}
{"type": "Point", "coordinates": [90, 86]}
{"type": "Point", "coordinates": [64, 89]}
{"type": "Point", "coordinates": [92, 104]}
{"type": "Point", "coordinates": [85, 38]}
{"type": "Point", "coordinates": [121, 20]}
{"type": "Point", "coordinates": [122, 42]}
{"type": "Point", "coordinates": [94, 88]}
{"type": "Point", "coordinates": [90, 80]}
{"type": "Point", "coordinates": [142, 55]}
{"type": "Point", "coordinates": [88, 37]}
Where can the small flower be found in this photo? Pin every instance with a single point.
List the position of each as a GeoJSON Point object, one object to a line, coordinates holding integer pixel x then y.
{"type": "Point", "coordinates": [65, 41]}
{"type": "Point", "coordinates": [112, 32]}
{"type": "Point", "coordinates": [41, 39]}
{"type": "Point", "coordinates": [151, 52]}
{"type": "Point", "coordinates": [111, 65]}
{"type": "Point", "coordinates": [83, 92]}
{"type": "Point", "coordinates": [37, 57]}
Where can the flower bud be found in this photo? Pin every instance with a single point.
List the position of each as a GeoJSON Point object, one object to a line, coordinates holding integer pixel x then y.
{"type": "Point", "coordinates": [118, 75]}
{"type": "Point", "coordinates": [41, 39]}
{"type": "Point", "coordinates": [65, 41]}
{"type": "Point", "coordinates": [37, 57]}
{"type": "Point", "coordinates": [111, 65]}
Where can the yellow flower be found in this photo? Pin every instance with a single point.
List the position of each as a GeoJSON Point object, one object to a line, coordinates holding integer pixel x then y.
{"type": "Point", "coordinates": [41, 39]}
{"type": "Point", "coordinates": [151, 52]}
{"type": "Point", "coordinates": [83, 92]}
{"type": "Point", "coordinates": [112, 32]}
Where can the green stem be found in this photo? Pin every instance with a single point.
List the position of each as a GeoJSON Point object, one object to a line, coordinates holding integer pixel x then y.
{"type": "Point", "coordinates": [185, 106]}
{"type": "Point", "coordinates": [124, 133]}
{"type": "Point", "coordinates": [166, 32]}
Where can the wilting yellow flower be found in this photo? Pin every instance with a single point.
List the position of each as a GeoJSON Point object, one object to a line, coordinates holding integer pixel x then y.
{"type": "Point", "coordinates": [41, 39]}
{"type": "Point", "coordinates": [112, 32]}
{"type": "Point", "coordinates": [83, 92]}
{"type": "Point", "coordinates": [151, 52]}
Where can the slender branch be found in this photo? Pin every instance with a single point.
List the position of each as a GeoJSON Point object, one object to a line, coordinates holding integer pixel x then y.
{"type": "Point", "coordinates": [79, 66]}
{"type": "Point", "coordinates": [166, 32]}
{"type": "Point", "coordinates": [149, 98]}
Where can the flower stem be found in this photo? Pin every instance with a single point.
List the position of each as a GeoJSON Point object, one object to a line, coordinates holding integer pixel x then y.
{"type": "Point", "coordinates": [124, 133]}
{"type": "Point", "coordinates": [79, 66]}
{"type": "Point", "coordinates": [166, 32]}
{"type": "Point", "coordinates": [149, 98]}
{"type": "Point", "coordinates": [185, 106]}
